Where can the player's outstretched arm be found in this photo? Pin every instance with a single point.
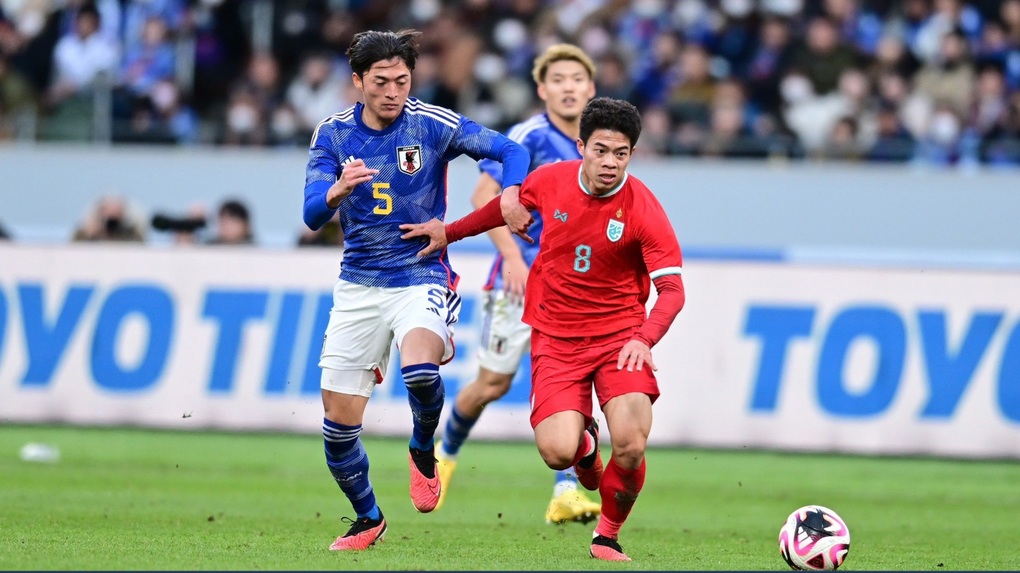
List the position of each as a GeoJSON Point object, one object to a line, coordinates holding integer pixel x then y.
{"type": "Point", "coordinates": [440, 235]}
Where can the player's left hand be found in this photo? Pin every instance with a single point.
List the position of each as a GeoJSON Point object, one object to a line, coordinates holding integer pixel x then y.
{"type": "Point", "coordinates": [634, 355]}
{"type": "Point", "coordinates": [434, 230]}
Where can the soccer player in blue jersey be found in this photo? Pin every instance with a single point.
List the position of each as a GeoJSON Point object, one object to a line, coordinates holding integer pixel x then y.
{"type": "Point", "coordinates": [565, 76]}
{"type": "Point", "coordinates": [382, 163]}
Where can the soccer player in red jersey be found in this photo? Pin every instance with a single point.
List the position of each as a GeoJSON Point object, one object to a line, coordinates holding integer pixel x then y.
{"type": "Point", "coordinates": [606, 239]}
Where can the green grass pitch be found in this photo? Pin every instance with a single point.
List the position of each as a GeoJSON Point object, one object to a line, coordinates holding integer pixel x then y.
{"type": "Point", "coordinates": [146, 500]}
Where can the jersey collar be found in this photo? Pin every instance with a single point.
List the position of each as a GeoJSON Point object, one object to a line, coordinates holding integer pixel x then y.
{"type": "Point", "coordinates": [557, 130]}
{"type": "Point", "coordinates": [615, 190]}
{"type": "Point", "coordinates": [359, 108]}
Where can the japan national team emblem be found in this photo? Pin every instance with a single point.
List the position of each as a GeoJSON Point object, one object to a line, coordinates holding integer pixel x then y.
{"type": "Point", "coordinates": [615, 230]}
{"type": "Point", "coordinates": [409, 159]}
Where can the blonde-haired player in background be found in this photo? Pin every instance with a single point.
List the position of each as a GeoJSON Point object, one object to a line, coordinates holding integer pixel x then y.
{"type": "Point", "coordinates": [565, 76]}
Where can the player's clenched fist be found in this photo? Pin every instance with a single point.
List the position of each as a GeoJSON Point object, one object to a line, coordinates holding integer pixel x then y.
{"type": "Point", "coordinates": [353, 174]}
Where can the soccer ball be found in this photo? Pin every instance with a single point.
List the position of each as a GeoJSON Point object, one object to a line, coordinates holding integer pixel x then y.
{"type": "Point", "coordinates": [814, 538]}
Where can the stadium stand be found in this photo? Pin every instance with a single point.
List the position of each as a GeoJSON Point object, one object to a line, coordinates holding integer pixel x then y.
{"type": "Point", "coordinates": [928, 81]}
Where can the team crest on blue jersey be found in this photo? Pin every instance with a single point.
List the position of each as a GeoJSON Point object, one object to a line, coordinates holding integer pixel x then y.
{"type": "Point", "coordinates": [409, 159]}
{"type": "Point", "coordinates": [615, 230]}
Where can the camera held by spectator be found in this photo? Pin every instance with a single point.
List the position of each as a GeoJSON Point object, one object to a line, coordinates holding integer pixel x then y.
{"type": "Point", "coordinates": [187, 228]}
{"type": "Point", "coordinates": [185, 224]}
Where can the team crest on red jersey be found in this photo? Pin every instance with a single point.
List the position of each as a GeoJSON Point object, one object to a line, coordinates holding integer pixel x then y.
{"type": "Point", "coordinates": [615, 230]}
{"type": "Point", "coordinates": [409, 159]}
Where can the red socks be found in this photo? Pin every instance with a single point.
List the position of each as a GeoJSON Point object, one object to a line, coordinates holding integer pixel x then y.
{"type": "Point", "coordinates": [582, 448]}
{"type": "Point", "coordinates": [619, 489]}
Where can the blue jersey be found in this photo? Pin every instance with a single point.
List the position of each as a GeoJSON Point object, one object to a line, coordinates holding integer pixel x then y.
{"type": "Point", "coordinates": [546, 144]}
{"type": "Point", "coordinates": [412, 155]}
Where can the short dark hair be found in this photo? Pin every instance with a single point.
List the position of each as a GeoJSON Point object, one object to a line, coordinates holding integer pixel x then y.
{"type": "Point", "coordinates": [373, 46]}
{"type": "Point", "coordinates": [88, 9]}
{"type": "Point", "coordinates": [612, 114]}
{"type": "Point", "coordinates": [236, 209]}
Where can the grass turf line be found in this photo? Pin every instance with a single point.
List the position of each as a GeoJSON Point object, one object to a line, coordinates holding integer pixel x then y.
{"type": "Point", "coordinates": [142, 499]}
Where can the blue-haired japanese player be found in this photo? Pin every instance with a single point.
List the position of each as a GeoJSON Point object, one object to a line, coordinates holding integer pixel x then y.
{"type": "Point", "coordinates": [382, 163]}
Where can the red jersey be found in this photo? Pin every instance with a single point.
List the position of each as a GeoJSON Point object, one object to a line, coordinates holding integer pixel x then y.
{"type": "Point", "coordinates": [598, 256]}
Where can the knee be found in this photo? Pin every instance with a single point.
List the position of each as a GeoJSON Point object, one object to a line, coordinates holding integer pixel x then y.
{"type": "Point", "coordinates": [495, 388]}
{"type": "Point", "coordinates": [555, 456]}
{"type": "Point", "coordinates": [629, 450]}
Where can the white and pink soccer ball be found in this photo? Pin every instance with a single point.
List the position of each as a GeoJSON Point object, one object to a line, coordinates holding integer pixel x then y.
{"type": "Point", "coordinates": [814, 538]}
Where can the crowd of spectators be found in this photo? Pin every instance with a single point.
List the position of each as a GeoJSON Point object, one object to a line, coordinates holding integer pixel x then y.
{"type": "Point", "coordinates": [934, 81]}
{"type": "Point", "coordinates": [113, 218]}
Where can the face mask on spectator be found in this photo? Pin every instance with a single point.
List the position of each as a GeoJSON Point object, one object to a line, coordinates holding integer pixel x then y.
{"type": "Point", "coordinates": [510, 34]}
{"type": "Point", "coordinates": [687, 13]}
{"type": "Point", "coordinates": [783, 7]}
{"type": "Point", "coordinates": [284, 124]}
{"type": "Point", "coordinates": [736, 8]}
{"type": "Point", "coordinates": [31, 23]}
{"type": "Point", "coordinates": [795, 89]}
{"type": "Point", "coordinates": [425, 10]}
{"type": "Point", "coordinates": [164, 96]}
{"type": "Point", "coordinates": [648, 8]}
{"type": "Point", "coordinates": [242, 118]}
{"type": "Point", "coordinates": [944, 128]}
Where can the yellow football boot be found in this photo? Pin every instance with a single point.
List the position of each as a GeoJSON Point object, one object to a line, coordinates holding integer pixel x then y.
{"type": "Point", "coordinates": [446, 467]}
{"type": "Point", "coordinates": [572, 505]}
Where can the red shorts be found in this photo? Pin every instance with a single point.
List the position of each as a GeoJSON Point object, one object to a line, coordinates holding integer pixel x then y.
{"type": "Point", "coordinates": [564, 370]}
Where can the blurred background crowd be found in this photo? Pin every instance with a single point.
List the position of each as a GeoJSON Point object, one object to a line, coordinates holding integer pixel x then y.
{"type": "Point", "coordinates": [932, 81]}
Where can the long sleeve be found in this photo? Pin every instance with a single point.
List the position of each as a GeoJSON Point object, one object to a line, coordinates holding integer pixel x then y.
{"type": "Point", "coordinates": [671, 298]}
{"type": "Point", "coordinates": [516, 161]}
{"type": "Point", "coordinates": [316, 212]}
{"type": "Point", "coordinates": [478, 221]}
{"type": "Point", "coordinates": [320, 174]}
{"type": "Point", "coordinates": [481, 142]}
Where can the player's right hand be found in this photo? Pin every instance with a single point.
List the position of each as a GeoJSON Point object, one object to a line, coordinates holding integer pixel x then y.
{"type": "Point", "coordinates": [353, 174]}
{"type": "Point", "coordinates": [434, 230]}
{"type": "Point", "coordinates": [635, 355]}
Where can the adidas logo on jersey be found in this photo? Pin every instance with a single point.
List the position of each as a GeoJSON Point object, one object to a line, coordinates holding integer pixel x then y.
{"type": "Point", "coordinates": [349, 159]}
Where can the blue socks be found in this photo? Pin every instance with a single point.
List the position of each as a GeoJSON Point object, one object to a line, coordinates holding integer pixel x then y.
{"type": "Point", "coordinates": [348, 463]}
{"type": "Point", "coordinates": [566, 480]}
{"type": "Point", "coordinates": [457, 429]}
{"type": "Point", "coordinates": [425, 394]}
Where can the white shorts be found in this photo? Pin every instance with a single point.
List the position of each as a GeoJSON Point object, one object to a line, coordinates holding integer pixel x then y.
{"type": "Point", "coordinates": [505, 338]}
{"type": "Point", "coordinates": [364, 322]}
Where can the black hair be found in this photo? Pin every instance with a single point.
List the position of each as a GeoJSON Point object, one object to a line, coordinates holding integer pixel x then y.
{"type": "Point", "coordinates": [612, 114]}
{"type": "Point", "coordinates": [236, 209]}
{"type": "Point", "coordinates": [88, 9]}
{"type": "Point", "coordinates": [372, 46]}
